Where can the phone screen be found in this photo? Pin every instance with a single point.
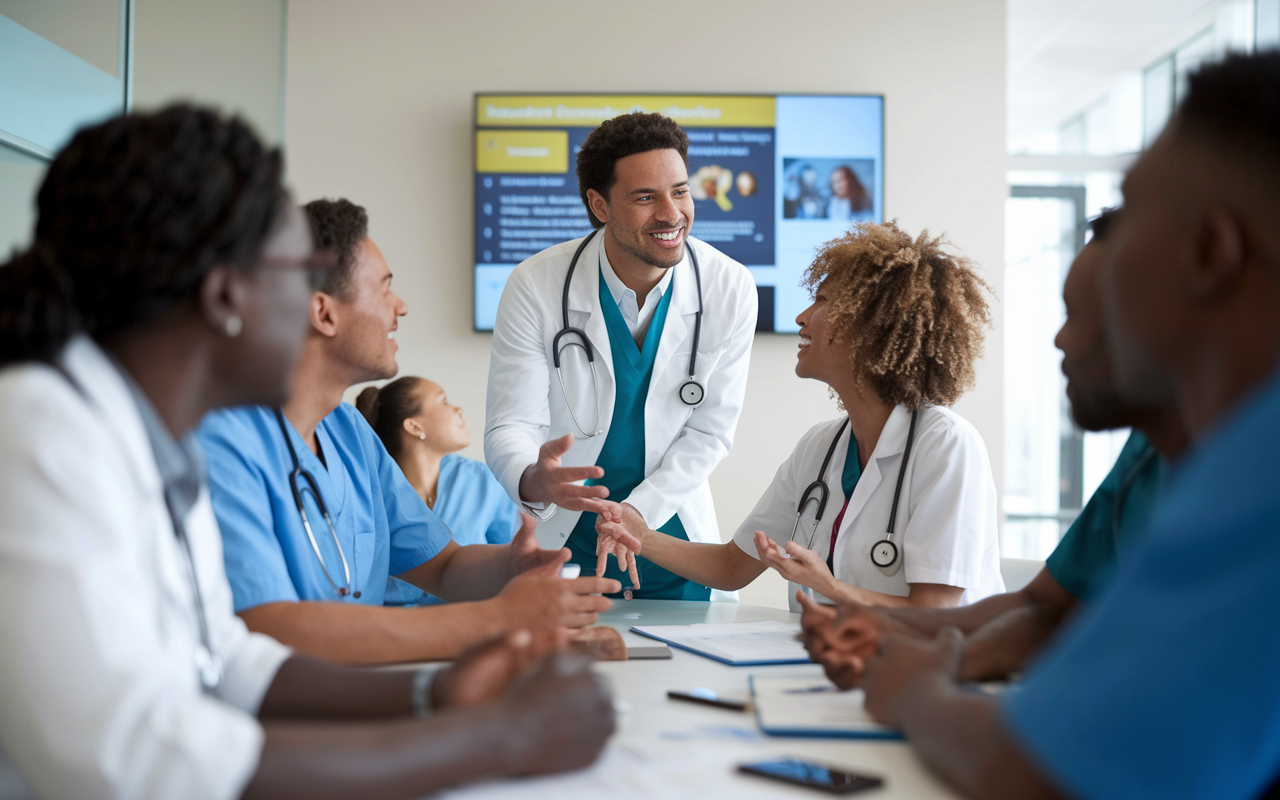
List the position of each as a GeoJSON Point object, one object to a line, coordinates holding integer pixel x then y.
{"type": "Point", "coordinates": [816, 776]}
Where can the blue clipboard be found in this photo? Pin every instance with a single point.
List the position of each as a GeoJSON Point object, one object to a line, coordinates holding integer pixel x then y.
{"type": "Point", "coordinates": [690, 649]}
{"type": "Point", "coordinates": [802, 728]}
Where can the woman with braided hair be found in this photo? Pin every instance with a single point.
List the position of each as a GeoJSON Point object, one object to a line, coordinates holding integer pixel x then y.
{"type": "Point", "coordinates": [893, 503]}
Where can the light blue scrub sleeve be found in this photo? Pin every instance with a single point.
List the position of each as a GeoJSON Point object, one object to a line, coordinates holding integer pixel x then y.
{"type": "Point", "coordinates": [256, 566]}
{"type": "Point", "coordinates": [417, 534]}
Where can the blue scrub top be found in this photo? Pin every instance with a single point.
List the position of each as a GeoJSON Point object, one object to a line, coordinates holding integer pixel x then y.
{"type": "Point", "coordinates": [1111, 522]}
{"type": "Point", "coordinates": [474, 506]}
{"type": "Point", "coordinates": [383, 525]}
{"type": "Point", "coordinates": [1166, 686]}
{"type": "Point", "coordinates": [622, 456]}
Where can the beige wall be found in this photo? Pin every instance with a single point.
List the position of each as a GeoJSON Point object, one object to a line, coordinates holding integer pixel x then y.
{"type": "Point", "coordinates": [378, 109]}
{"type": "Point", "coordinates": [226, 54]}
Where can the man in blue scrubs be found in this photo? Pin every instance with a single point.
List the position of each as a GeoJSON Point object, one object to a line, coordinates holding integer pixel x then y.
{"type": "Point", "coordinates": [262, 462]}
{"type": "Point", "coordinates": [1003, 631]}
{"type": "Point", "coordinates": [1166, 686]}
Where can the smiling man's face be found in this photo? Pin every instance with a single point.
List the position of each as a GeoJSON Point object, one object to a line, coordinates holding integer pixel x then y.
{"type": "Point", "coordinates": [369, 313]}
{"type": "Point", "coordinates": [649, 210]}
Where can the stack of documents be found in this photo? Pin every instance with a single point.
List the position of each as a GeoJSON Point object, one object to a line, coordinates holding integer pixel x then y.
{"type": "Point", "coordinates": [813, 707]}
{"type": "Point", "coordinates": [740, 644]}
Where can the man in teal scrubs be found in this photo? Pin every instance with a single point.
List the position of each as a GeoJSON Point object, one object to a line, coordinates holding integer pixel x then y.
{"type": "Point", "coordinates": [592, 375]}
{"type": "Point", "coordinates": [1001, 632]}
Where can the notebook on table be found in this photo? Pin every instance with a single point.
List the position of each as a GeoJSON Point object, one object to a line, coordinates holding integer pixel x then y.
{"type": "Point", "coordinates": [813, 707]}
{"type": "Point", "coordinates": [739, 644]}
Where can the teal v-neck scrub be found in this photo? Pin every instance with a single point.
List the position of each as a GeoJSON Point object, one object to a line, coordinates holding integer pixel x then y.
{"type": "Point", "coordinates": [849, 477]}
{"type": "Point", "coordinates": [622, 456]}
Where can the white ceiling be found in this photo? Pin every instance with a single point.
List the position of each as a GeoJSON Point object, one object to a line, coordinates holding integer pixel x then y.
{"type": "Point", "coordinates": [1064, 54]}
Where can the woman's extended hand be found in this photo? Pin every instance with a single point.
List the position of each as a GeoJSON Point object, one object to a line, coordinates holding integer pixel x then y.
{"type": "Point", "coordinates": [796, 564]}
{"type": "Point", "coordinates": [619, 531]}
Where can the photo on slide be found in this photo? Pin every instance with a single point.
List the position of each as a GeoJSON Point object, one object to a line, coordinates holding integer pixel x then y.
{"type": "Point", "coordinates": [837, 189]}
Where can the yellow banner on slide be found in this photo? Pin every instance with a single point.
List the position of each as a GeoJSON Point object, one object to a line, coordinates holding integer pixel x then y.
{"type": "Point", "coordinates": [589, 110]}
{"type": "Point", "coordinates": [522, 151]}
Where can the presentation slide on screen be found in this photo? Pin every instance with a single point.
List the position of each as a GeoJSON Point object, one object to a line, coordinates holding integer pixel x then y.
{"type": "Point", "coordinates": [772, 178]}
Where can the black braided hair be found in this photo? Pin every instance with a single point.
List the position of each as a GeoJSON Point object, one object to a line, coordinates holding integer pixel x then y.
{"type": "Point", "coordinates": [131, 216]}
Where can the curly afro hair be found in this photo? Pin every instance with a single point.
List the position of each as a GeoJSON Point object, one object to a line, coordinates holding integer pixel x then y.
{"type": "Point", "coordinates": [620, 137]}
{"type": "Point", "coordinates": [912, 314]}
{"type": "Point", "coordinates": [341, 226]}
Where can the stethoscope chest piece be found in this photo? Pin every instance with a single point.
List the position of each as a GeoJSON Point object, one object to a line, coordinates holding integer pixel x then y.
{"type": "Point", "coordinates": [691, 392]}
{"type": "Point", "coordinates": [884, 554]}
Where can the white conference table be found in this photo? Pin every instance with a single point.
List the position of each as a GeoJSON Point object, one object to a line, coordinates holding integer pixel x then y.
{"type": "Point", "coordinates": [671, 749]}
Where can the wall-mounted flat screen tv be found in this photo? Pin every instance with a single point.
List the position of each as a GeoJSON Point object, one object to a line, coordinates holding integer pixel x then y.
{"type": "Point", "coordinates": [772, 176]}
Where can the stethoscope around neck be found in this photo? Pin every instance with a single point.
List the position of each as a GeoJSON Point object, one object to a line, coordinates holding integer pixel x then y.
{"type": "Point", "coordinates": [691, 392]}
{"type": "Point", "coordinates": [884, 553]}
{"type": "Point", "coordinates": [299, 473]}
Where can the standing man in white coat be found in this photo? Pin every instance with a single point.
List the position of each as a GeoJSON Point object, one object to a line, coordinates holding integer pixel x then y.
{"type": "Point", "coordinates": [621, 359]}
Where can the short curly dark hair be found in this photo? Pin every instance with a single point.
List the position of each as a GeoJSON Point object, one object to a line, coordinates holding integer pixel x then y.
{"type": "Point", "coordinates": [913, 315]}
{"type": "Point", "coordinates": [637, 132]}
{"type": "Point", "coordinates": [338, 225]}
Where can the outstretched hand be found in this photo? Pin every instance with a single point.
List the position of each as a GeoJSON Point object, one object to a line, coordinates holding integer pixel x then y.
{"type": "Point", "coordinates": [796, 564]}
{"type": "Point", "coordinates": [618, 532]}
{"type": "Point", "coordinates": [545, 481]}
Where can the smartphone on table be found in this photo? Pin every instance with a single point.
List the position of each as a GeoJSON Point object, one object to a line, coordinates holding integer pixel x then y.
{"type": "Point", "coordinates": [815, 776]}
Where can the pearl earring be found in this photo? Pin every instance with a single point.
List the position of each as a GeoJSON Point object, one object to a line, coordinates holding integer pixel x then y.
{"type": "Point", "coordinates": [233, 326]}
{"type": "Point", "coordinates": [422, 436]}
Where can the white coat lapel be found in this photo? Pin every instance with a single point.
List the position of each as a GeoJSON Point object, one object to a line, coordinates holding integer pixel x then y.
{"type": "Point", "coordinates": [99, 379]}
{"type": "Point", "coordinates": [892, 441]}
{"type": "Point", "coordinates": [585, 313]}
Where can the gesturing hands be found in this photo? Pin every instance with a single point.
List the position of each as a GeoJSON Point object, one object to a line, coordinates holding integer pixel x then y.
{"type": "Point", "coordinates": [796, 564]}
{"type": "Point", "coordinates": [540, 598]}
{"type": "Point", "coordinates": [545, 481]}
{"type": "Point", "coordinates": [620, 530]}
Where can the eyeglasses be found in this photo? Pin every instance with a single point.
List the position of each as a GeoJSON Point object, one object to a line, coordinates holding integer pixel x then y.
{"type": "Point", "coordinates": [318, 265]}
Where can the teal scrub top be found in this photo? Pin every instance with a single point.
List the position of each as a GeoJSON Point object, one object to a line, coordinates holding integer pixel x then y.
{"type": "Point", "coordinates": [622, 456]}
{"type": "Point", "coordinates": [1111, 521]}
{"type": "Point", "coordinates": [848, 482]}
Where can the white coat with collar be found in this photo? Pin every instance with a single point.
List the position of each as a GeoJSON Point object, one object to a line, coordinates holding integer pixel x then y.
{"type": "Point", "coordinates": [525, 405]}
{"type": "Point", "coordinates": [946, 531]}
{"type": "Point", "coordinates": [99, 695]}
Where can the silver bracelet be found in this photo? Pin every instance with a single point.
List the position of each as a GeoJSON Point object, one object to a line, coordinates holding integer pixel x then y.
{"type": "Point", "coordinates": [420, 696]}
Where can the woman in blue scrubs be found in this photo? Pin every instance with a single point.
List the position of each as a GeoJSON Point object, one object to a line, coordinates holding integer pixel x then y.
{"type": "Point", "coordinates": [423, 433]}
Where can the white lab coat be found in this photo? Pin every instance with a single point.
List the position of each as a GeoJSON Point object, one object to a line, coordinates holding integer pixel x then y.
{"type": "Point", "coordinates": [946, 531]}
{"type": "Point", "coordinates": [99, 695]}
{"type": "Point", "coordinates": [683, 444]}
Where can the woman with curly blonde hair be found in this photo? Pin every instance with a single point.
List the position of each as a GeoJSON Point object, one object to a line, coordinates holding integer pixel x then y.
{"type": "Point", "coordinates": [894, 330]}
